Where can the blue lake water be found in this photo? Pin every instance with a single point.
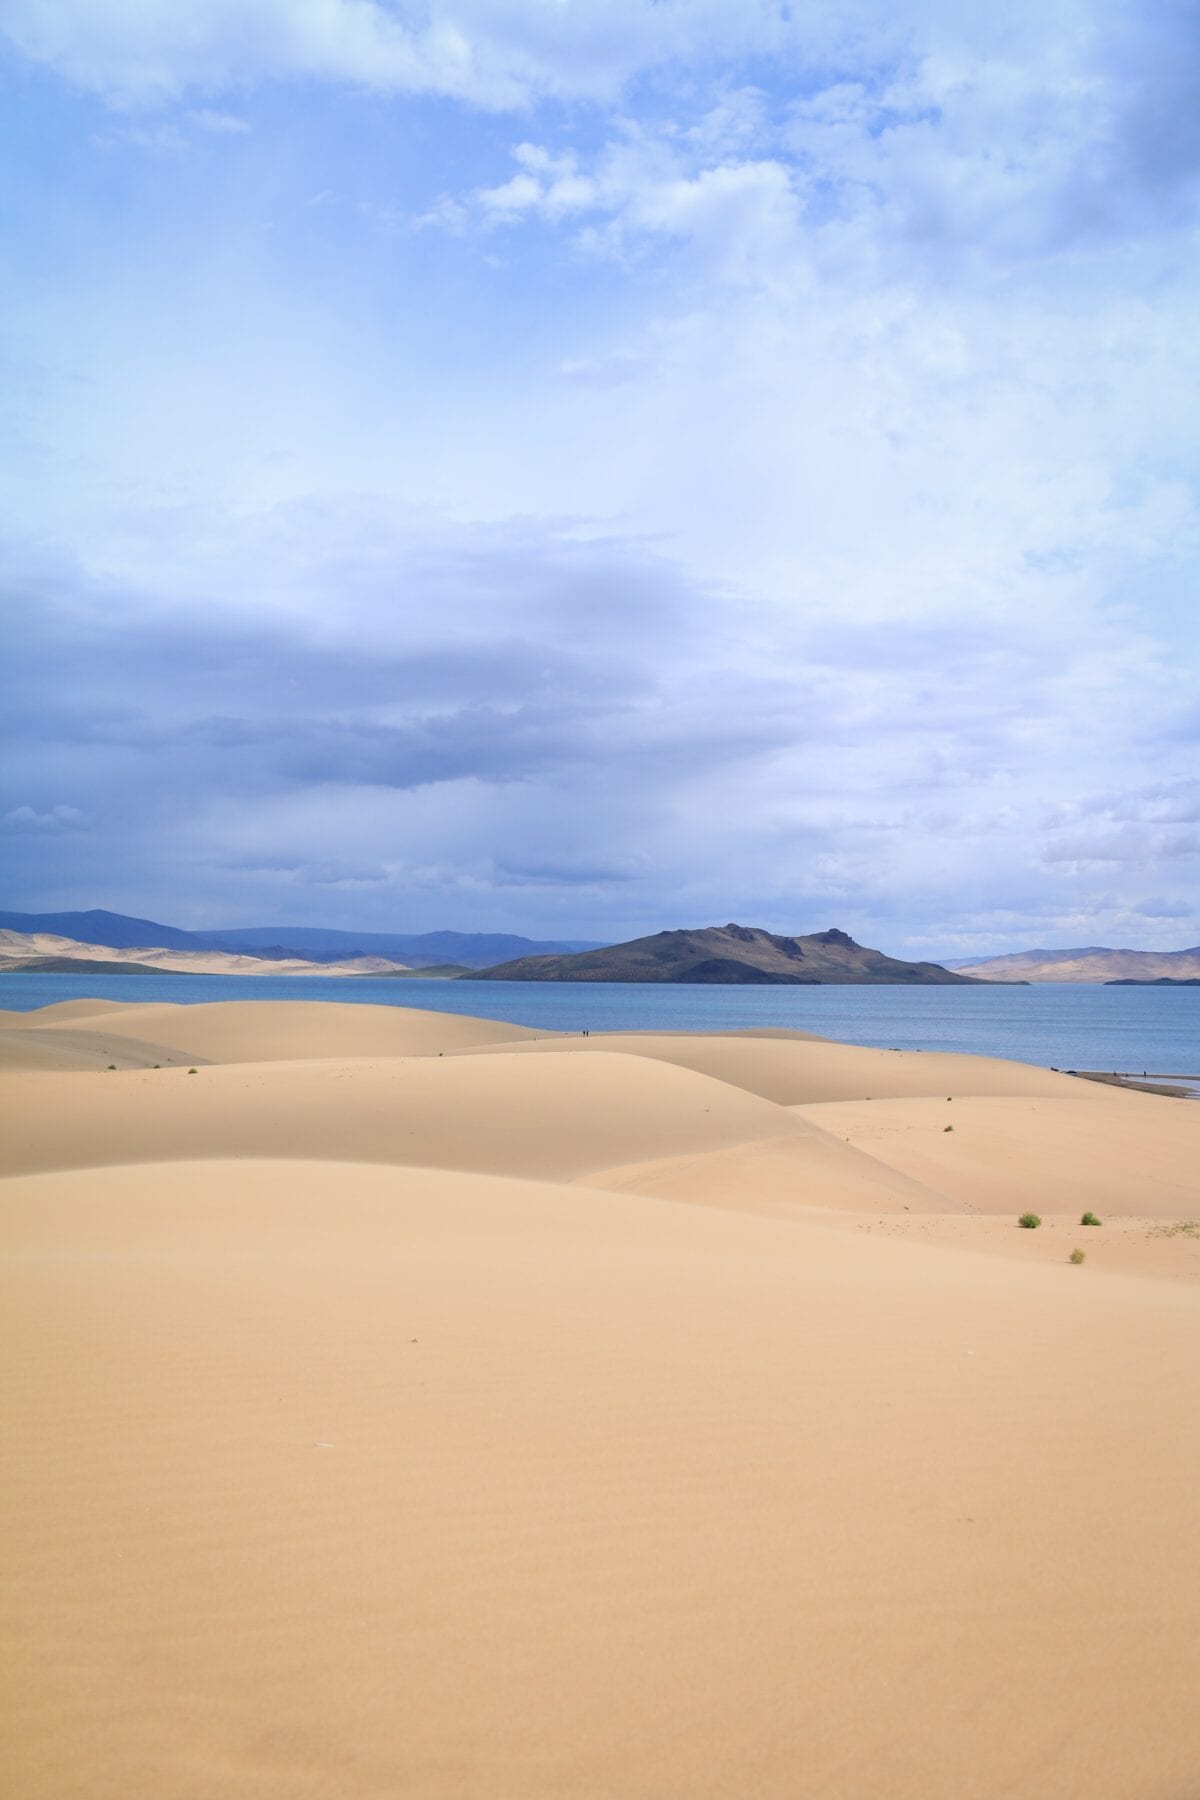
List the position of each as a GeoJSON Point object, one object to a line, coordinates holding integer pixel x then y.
{"type": "Point", "coordinates": [1059, 1025]}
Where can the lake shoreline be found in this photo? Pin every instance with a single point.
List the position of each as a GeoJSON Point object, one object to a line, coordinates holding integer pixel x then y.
{"type": "Point", "coordinates": [1055, 1026]}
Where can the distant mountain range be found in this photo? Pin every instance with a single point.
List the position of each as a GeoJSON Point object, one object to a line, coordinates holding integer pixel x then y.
{"type": "Point", "coordinates": [741, 954]}
{"type": "Point", "coordinates": [48, 953]}
{"type": "Point", "coordinates": [1095, 963]}
{"type": "Point", "coordinates": [725, 954]}
{"type": "Point", "coordinates": [118, 931]}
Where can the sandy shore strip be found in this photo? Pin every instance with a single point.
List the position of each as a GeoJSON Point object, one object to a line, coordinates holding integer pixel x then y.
{"type": "Point", "coordinates": [415, 1405]}
{"type": "Point", "coordinates": [1178, 1087]}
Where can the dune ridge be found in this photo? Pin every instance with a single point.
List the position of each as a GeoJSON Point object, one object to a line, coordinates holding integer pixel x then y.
{"type": "Point", "coordinates": [412, 1404]}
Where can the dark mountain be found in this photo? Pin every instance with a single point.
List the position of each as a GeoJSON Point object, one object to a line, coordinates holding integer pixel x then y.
{"type": "Point", "coordinates": [728, 954]}
{"type": "Point", "coordinates": [117, 931]}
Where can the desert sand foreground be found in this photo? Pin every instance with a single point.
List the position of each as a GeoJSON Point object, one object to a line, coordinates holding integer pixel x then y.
{"type": "Point", "coordinates": [404, 1404]}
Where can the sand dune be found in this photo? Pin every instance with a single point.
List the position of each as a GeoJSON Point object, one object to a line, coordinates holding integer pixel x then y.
{"type": "Point", "coordinates": [796, 1069]}
{"type": "Point", "coordinates": [788, 1177]}
{"type": "Point", "coordinates": [408, 1405]}
{"type": "Point", "coordinates": [62, 1009]}
{"type": "Point", "coordinates": [68, 1049]}
{"type": "Point", "coordinates": [1128, 1244]}
{"type": "Point", "coordinates": [553, 1120]}
{"type": "Point", "coordinates": [226, 1031]}
{"type": "Point", "coordinates": [1137, 1155]}
{"type": "Point", "coordinates": [332, 1480]}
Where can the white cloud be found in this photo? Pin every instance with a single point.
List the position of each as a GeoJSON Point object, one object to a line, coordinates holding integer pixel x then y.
{"type": "Point", "coordinates": [158, 138]}
{"type": "Point", "coordinates": [148, 51]}
{"type": "Point", "coordinates": [55, 818]}
{"type": "Point", "coordinates": [962, 153]}
{"type": "Point", "coordinates": [738, 218]}
{"type": "Point", "coordinates": [497, 53]}
{"type": "Point", "coordinates": [980, 66]}
{"type": "Point", "coordinates": [222, 124]}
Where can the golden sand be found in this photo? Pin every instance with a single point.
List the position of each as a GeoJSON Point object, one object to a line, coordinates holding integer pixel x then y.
{"type": "Point", "coordinates": [412, 1405]}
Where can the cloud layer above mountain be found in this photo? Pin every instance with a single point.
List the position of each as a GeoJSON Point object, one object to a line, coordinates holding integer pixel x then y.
{"type": "Point", "coordinates": [585, 467]}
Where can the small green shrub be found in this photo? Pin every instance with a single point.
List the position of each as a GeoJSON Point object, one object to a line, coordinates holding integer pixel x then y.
{"type": "Point", "coordinates": [947, 1128]}
{"type": "Point", "coordinates": [193, 1071]}
{"type": "Point", "coordinates": [1089, 1218]}
{"type": "Point", "coordinates": [1029, 1221]}
{"type": "Point", "coordinates": [112, 1065]}
{"type": "Point", "coordinates": [1077, 1256]}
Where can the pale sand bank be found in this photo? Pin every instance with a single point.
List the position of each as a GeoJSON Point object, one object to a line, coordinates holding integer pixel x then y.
{"type": "Point", "coordinates": [878, 1499]}
{"type": "Point", "coordinates": [27, 949]}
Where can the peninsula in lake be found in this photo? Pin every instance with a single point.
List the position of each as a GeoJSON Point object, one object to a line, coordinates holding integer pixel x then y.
{"type": "Point", "coordinates": [734, 954]}
{"type": "Point", "coordinates": [1158, 981]}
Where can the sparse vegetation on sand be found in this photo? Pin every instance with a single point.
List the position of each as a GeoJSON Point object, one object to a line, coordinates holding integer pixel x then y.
{"type": "Point", "coordinates": [1029, 1221]}
{"type": "Point", "coordinates": [1089, 1218]}
{"type": "Point", "coordinates": [1077, 1256]}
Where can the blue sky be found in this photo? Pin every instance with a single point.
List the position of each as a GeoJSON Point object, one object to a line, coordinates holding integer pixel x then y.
{"type": "Point", "coordinates": [580, 468]}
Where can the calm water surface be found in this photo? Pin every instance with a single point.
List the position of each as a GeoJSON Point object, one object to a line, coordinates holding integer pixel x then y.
{"type": "Point", "coordinates": [1059, 1025]}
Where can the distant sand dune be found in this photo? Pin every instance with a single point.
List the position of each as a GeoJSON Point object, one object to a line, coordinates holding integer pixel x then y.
{"type": "Point", "coordinates": [406, 1405]}
{"type": "Point", "coordinates": [224, 1031]}
{"type": "Point", "coordinates": [796, 1069]}
{"type": "Point", "coordinates": [62, 1009]}
{"type": "Point", "coordinates": [552, 1120]}
{"type": "Point", "coordinates": [31, 950]}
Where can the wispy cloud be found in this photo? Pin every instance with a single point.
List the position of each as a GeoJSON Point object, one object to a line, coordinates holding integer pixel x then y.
{"type": "Point", "coordinates": [501, 55]}
{"type": "Point", "coordinates": [222, 124]}
{"type": "Point", "coordinates": [55, 818]}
